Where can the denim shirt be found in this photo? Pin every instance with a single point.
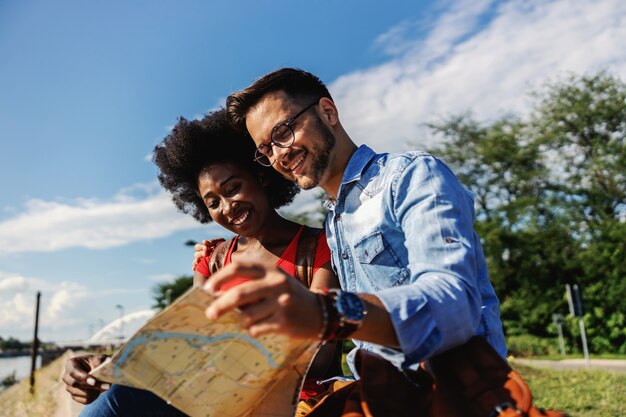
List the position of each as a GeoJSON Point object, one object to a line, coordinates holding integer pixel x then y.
{"type": "Point", "coordinates": [402, 228]}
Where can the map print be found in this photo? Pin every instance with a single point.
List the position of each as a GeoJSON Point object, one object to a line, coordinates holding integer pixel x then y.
{"type": "Point", "coordinates": [211, 368]}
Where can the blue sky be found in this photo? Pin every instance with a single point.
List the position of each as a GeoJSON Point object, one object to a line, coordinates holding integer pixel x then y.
{"type": "Point", "coordinates": [88, 89]}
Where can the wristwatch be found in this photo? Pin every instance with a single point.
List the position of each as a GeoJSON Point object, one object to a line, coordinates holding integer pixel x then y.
{"type": "Point", "coordinates": [346, 314]}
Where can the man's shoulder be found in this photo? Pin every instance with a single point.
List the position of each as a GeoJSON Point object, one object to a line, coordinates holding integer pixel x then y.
{"type": "Point", "coordinates": [398, 161]}
{"type": "Point", "coordinates": [378, 170]}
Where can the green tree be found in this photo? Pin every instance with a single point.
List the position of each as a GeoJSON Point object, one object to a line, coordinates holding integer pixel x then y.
{"type": "Point", "coordinates": [173, 290]}
{"type": "Point", "coordinates": [314, 217]}
{"type": "Point", "coordinates": [581, 125]}
{"type": "Point", "coordinates": [13, 344]}
{"type": "Point", "coordinates": [550, 194]}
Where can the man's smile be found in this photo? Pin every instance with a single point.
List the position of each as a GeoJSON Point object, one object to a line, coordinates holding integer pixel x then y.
{"type": "Point", "coordinates": [296, 163]}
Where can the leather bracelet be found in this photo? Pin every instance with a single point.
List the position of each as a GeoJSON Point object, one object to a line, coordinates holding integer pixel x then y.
{"type": "Point", "coordinates": [334, 322]}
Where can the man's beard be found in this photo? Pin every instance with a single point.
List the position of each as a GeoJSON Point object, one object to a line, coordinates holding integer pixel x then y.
{"type": "Point", "coordinates": [321, 158]}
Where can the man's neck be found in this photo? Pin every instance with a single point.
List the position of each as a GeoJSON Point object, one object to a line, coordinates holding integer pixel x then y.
{"type": "Point", "coordinates": [344, 149]}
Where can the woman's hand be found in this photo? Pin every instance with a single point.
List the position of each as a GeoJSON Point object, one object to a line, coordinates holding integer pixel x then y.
{"type": "Point", "coordinates": [205, 248]}
{"type": "Point", "coordinates": [83, 387]}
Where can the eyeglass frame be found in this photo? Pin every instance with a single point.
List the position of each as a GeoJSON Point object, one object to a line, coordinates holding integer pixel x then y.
{"type": "Point", "coordinates": [287, 123]}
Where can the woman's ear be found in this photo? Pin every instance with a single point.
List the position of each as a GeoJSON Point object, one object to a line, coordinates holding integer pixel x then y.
{"type": "Point", "coordinates": [262, 179]}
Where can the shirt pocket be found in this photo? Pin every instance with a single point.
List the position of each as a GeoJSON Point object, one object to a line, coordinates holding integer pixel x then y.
{"type": "Point", "coordinates": [380, 264]}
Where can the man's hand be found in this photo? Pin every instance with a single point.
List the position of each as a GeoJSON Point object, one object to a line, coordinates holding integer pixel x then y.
{"type": "Point", "coordinates": [205, 248]}
{"type": "Point", "coordinates": [83, 387]}
{"type": "Point", "coordinates": [272, 302]}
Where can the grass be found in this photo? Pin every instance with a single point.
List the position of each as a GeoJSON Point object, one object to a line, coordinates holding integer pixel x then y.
{"type": "Point", "coordinates": [580, 393]}
{"type": "Point", "coordinates": [17, 401]}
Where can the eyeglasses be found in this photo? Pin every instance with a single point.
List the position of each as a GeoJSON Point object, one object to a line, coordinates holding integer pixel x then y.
{"type": "Point", "coordinates": [282, 136]}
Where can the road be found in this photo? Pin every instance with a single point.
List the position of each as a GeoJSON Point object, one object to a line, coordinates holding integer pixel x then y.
{"type": "Point", "coordinates": [615, 365]}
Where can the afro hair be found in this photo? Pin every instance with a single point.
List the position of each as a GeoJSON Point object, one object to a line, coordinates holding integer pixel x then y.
{"type": "Point", "coordinates": [195, 144]}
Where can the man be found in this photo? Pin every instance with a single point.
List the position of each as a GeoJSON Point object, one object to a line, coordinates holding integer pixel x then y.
{"type": "Point", "coordinates": [400, 228]}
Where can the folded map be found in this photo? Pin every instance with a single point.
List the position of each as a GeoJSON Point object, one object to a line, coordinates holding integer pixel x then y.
{"type": "Point", "coordinates": [211, 368]}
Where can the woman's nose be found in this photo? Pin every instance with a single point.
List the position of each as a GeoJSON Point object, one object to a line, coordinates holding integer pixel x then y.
{"type": "Point", "coordinates": [229, 205]}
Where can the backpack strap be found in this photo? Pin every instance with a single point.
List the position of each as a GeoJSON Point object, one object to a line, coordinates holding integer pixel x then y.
{"type": "Point", "coordinates": [305, 254]}
{"type": "Point", "coordinates": [219, 254]}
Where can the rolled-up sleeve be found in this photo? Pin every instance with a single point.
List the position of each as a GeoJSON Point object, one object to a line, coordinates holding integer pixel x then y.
{"type": "Point", "coordinates": [441, 306]}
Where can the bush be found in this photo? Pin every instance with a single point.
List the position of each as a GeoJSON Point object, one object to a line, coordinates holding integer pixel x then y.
{"type": "Point", "coordinates": [529, 345]}
{"type": "Point", "coordinates": [8, 380]}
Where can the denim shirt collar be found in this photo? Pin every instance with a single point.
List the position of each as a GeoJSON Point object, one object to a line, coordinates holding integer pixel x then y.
{"type": "Point", "coordinates": [360, 158]}
{"type": "Point", "coordinates": [356, 165]}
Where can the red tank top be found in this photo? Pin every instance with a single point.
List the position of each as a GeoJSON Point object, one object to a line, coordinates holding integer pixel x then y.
{"type": "Point", "coordinates": [286, 262]}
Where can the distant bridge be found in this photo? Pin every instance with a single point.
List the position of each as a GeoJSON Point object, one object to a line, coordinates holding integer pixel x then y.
{"type": "Point", "coordinates": [114, 333]}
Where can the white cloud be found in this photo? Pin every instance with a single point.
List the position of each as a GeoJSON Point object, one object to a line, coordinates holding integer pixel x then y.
{"type": "Point", "coordinates": [18, 295]}
{"type": "Point", "coordinates": [13, 283]}
{"type": "Point", "coordinates": [145, 261]}
{"type": "Point", "coordinates": [63, 305]}
{"type": "Point", "coordinates": [162, 278]}
{"type": "Point", "coordinates": [17, 310]}
{"type": "Point", "coordinates": [465, 64]}
{"type": "Point", "coordinates": [64, 299]}
{"type": "Point", "coordinates": [136, 213]}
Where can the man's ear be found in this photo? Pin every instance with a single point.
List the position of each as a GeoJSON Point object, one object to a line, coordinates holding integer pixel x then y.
{"type": "Point", "coordinates": [328, 111]}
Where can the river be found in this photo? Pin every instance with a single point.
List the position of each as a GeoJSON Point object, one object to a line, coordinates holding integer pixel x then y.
{"type": "Point", "coordinates": [19, 364]}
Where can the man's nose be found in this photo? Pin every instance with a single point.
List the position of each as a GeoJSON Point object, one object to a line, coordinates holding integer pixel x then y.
{"type": "Point", "coordinates": [279, 153]}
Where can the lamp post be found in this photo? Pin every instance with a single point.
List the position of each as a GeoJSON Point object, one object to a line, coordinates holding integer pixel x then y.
{"type": "Point", "coordinates": [121, 309]}
{"type": "Point", "coordinates": [35, 347]}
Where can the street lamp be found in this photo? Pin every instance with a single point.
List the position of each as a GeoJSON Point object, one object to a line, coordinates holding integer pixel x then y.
{"type": "Point", "coordinates": [121, 309]}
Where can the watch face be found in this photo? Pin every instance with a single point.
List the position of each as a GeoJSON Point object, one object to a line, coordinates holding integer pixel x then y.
{"type": "Point", "coordinates": [350, 306]}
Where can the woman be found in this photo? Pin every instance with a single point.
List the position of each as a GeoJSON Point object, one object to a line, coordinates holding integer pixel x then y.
{"type": "Point", "coordinates": [210, 171]}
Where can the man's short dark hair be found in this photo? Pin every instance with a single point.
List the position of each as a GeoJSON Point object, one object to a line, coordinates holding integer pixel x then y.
{"type": "Point", "coordinates": [194, 144]}
{"type": "Point", "coordinates": [300, 86]}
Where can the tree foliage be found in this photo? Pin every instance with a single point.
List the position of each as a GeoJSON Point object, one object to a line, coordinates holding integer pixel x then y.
{"type": "Point", "coordinates": [550, 192]}
{"type": "Point", "coordinates": [13, 344]}
{"type": "Point", "coordinates": [170, 290]}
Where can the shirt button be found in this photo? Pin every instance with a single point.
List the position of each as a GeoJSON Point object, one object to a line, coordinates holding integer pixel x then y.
{"type": "Point", "coordinates": [344, 255]}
